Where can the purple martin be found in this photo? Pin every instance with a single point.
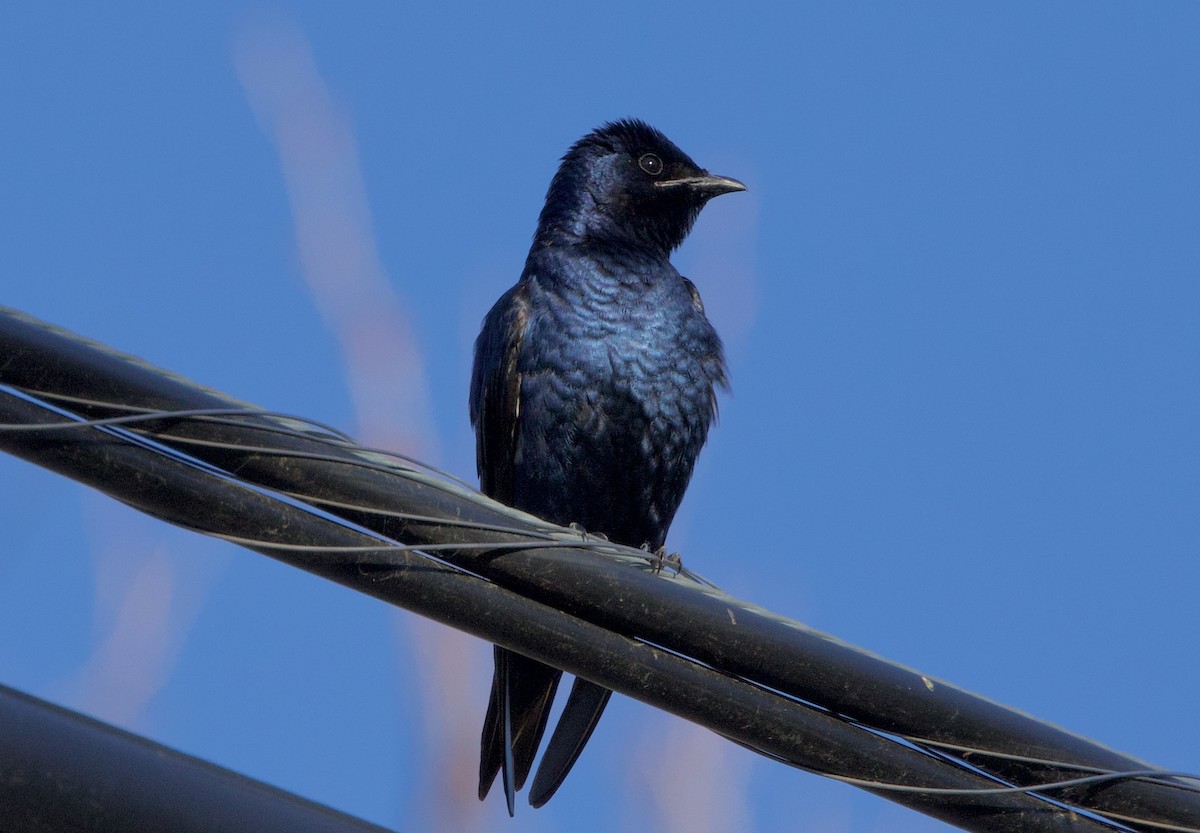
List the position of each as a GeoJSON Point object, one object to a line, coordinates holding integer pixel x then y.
{"type": "Point", "coordinates": [593, 389]}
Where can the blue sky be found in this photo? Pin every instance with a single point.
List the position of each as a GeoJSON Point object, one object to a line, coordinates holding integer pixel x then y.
{"type": "Point", "coordinates": [960, 301]}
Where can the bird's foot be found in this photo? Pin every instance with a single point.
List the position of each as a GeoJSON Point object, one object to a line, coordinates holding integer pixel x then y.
{"type": "Point", "coordinates": [662, 559]}
{"type": "Point", "coordinates": [584, 534]}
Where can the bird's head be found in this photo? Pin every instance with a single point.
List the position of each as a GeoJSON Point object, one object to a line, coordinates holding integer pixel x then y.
{"type": "Point", "coordinates": [628, 184]}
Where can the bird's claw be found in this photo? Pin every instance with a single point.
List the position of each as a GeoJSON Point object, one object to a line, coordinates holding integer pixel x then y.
{"type": "Point", "coordinates": [584, 534]}
{"type": "Point", "coordinates": [661, 559]}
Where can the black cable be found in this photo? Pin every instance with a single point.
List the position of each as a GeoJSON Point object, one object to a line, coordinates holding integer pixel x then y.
{"type": "Point", "coordinates": [445, 526]}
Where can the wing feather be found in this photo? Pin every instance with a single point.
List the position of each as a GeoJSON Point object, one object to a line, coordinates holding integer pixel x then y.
{"type": "Point", "coordinates": [496, 392]}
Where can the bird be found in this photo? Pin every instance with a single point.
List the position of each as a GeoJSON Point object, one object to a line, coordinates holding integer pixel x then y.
{"type": "Point", "coordinates": [593, 387]}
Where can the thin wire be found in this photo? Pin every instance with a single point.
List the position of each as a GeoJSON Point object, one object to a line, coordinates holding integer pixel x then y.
{"type": "Point", "coordinates": [272, 451]}
{"type": "Point", "coordinates": [1162, 778]}
{"type": "Point", "coordinates": [1044, 786]}
{"type": "Point", "coordinates": [338, 438]}
{"type": "Point", "coordinates": [430, 519]}
{"type": "Point", "coordinates": [350, 548]}
{"type": "Point", "coordinates": [1151, 775]}
{"type": "Point", "coordinates": [1024, 759]}
{"type": "Point", "coordinates": [1161, 825]}
{"type": "Point", "coordinates": [342, 441]}
{"type": "Point", "coordinates": [155, 415]}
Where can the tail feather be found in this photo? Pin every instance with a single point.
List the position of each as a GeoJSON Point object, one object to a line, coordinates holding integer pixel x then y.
{"type": "Point", "coordinates": [522, 693]}
{"type": "Point", "coordinates": [579, 718]}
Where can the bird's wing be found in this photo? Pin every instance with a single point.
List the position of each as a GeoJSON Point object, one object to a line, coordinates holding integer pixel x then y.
{"type": "Point", "coordinates": [522, 689]}
{"type": "Point", "coordinates": [496, 392]}
{"type": "Point", "coordinates": [715, 362]}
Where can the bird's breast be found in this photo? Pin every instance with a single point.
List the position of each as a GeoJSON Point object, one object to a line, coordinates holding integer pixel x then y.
{"type": "Point", "coordinates": [616, 391]}
{"type": "Point", "coordinates": [648, 343]}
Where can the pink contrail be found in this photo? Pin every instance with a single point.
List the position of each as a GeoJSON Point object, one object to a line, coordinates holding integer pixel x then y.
{"type": "Point", "coordinates": [383, 361]}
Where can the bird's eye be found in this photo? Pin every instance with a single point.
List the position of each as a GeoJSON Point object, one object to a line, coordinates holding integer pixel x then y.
{"type": "Point", "coordinates": [651, 164]}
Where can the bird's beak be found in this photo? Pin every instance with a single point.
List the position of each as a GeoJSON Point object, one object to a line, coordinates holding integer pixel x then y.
{"type": "Point", "coordinates": [708, 185]}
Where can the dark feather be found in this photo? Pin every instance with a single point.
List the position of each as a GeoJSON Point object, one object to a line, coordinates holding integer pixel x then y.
{"type": "Point", "coordinates": [579, 718]}
{"type": "Point", "coordinates": [495, 401]}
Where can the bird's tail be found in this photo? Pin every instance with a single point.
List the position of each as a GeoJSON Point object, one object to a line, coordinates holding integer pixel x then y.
{"type": "Point", "coordinates": [522, 693]}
